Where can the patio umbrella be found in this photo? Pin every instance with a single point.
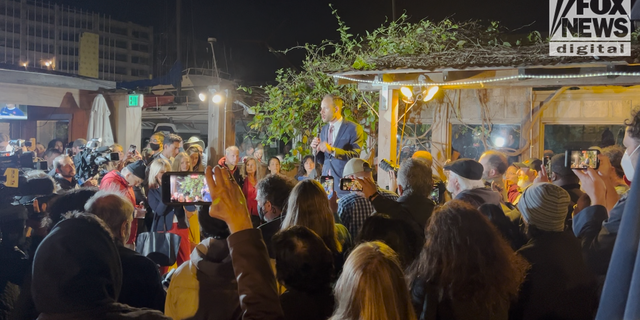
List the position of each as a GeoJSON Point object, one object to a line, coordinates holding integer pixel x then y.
{"type": "Point", "coordinates": [621, 291]}
{"type": "Point", "coordinates": [99, 124]}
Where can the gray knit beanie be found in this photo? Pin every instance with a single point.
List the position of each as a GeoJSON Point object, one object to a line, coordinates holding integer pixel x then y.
{"type": "Point", "coordinates": [545, 206]}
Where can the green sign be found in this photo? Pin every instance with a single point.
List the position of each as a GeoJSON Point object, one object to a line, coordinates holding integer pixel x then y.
{"type": "Point", "coordinates": [135, 100]}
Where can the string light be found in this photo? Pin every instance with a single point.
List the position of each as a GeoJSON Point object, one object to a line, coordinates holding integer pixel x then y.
{"type": "Point", "coordinates": [516, 77]}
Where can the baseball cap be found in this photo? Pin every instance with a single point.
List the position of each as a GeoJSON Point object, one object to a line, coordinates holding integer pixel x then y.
{"type": "Point", "coordinates": [533, 163]}
{"type": "Point", "coordinates": [355, 166]}
{"type": "Point", "coordinates": [466, 168]}
{"type": "Point", "coordinates": [138, 169]}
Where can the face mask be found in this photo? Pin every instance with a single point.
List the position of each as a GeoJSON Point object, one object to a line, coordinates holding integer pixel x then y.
{"type": "Point", "coordinates": [627, 165]}
{"type": "Point", "coordinates": [154, 146]}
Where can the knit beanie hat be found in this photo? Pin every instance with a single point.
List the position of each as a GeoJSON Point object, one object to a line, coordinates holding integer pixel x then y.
{"type": "Point", "coordinates": [544, 205]}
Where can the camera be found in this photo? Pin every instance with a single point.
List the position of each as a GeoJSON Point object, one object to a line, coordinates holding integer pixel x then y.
{"type": "Point", "coordinates": [92, 160]}
{"type": "Point", "coordinates": [387, 166]}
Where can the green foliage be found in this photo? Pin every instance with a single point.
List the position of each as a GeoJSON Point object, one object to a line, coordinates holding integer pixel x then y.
{"type": "Point", "coordinates": [290, 109]}
{"type": "Point", "coordinates": [191, 185]}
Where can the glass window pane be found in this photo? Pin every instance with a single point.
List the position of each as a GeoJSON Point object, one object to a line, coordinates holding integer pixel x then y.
{"type": "Point", "coordinates": [558, 138]}
{"type": "Point", "coordinates": [469, 140]}
{"type": "Point", "coordinates": [416, 137]}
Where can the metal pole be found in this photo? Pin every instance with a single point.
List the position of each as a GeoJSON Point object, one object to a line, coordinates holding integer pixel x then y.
{"type": "Point", "coordinates": [393, 9]}
{"type": "Point", "coordinates": [224, 133]}
{"type": "Point", "coordinates": [179, 56]}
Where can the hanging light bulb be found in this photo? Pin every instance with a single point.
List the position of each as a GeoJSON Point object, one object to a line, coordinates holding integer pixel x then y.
{"type": "Point", "coordinates": [406, 91]}
{"type": "Point", "coordinates": [202, 97]}
{"type": "Point", "coordinates": [430, 93]}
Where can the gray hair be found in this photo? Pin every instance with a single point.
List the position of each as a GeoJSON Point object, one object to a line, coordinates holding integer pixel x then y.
{"type": "Point", "coordinates": [466, 184]}
{"type": "Point", "coordinates": [415, 177]}
{"type": "Point", "coordinates": [58, 160]}
{"type": "Point", "coordinates": [229, 149]}
{"type": "Point", "coordinates": [113, 207]}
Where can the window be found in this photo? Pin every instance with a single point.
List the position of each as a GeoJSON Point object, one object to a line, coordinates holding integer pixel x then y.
{"type": "Point", "coordinates": [467, 140]}
{"type": "Point", "coordinates": [140, 47]}
{"type": "Point", "coordinates": [139, 60]}
{"type": "Point", "coordinates": [70, 36]}
{"type": "Point", "coordinates": [558, 138]}
{"type": "Point", "coordinates": [139, 72]}
{"type": "Point", "coordinates": [140, 34]}
{"type": "Point", "coordinates": [120, 31]}
{"type": "Point", "coordinates": [10, 27]}
{"type": "Point", "coordinates": [121, 57]}
{"type": "Point", "coordinates": [416, 137]}
{"type": "Point", "coordinates": [10, 43]}
{"type": "Point", "coordinates": [121, 70]}
{"type": "Point", "coordinates": [121, 44]}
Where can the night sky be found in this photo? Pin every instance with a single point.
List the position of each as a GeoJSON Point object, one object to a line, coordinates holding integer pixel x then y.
{"type": "Point", "coordinates": [246, 27]}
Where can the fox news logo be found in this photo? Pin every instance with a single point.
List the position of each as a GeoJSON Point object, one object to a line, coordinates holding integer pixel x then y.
{"type": "Point", "coordinates": [590, 27]}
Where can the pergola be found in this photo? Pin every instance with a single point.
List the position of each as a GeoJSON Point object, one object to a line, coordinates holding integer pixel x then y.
{"type": "Point", "coordinates": [524, 70]}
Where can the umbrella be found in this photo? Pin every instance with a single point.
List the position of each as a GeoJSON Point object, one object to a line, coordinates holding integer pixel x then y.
{"type": "Point", "coordinates": [99, 124]}
{"type": "Point", "coordinates": [621, 291]}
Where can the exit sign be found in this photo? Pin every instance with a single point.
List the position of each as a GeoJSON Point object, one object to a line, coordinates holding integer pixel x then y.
{"type": "Point", "coordinates": [136, 100]}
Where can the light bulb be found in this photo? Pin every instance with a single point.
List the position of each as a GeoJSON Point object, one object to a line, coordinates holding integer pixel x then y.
{"type": "Point", "coordinates": [217, 98]}
{"type": "Point", "coordinates": [499, 142]}
{"type": "Point", "coordinates": [202, 97]}
{"type": "Point", "coordinates": [406, 91]}
{"type": "Point", "coordinates": [430, 93]}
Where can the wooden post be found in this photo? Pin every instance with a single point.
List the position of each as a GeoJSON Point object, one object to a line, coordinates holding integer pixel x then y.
{"type": "Point", "coordinates": [387, 130]}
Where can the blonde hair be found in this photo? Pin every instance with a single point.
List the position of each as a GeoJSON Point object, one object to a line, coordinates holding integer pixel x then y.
{"type": "Point", "coordinates": [156, 166]}
{"type": "Point", "coordinates": [309, 207]}
{"type": "Point", "coordinates": [372, 286]}
{"type": "Point", "coordinates": [177, 162]}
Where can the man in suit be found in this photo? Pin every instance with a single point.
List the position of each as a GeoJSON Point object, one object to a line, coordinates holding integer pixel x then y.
{"type": "Point", "coordinates": [340, 140]}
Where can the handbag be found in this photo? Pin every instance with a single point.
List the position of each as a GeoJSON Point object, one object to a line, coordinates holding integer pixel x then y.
{"type": "Point", "coordinates": [161, 247]}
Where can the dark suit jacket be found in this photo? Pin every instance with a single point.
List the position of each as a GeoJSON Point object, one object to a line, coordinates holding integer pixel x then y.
{"type": "Point", "coordinates": [141, 283]}
{"type": "Point", "coordinates": [348, 145]}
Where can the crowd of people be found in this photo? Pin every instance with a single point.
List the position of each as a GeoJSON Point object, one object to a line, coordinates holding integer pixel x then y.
{"type": "Point", "coordinates": [504, 241]}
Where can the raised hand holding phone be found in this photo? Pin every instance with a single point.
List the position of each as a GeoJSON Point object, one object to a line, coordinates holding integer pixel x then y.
{"type": "Point", "coordinates": [228, 203]}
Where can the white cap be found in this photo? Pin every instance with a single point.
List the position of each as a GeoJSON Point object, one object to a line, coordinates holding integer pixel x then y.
{"type": "Point", "coordinates": [355, 166]}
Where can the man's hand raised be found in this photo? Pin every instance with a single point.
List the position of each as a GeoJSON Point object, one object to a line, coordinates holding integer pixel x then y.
{"type": "Point", "coordinates": [227, 200]}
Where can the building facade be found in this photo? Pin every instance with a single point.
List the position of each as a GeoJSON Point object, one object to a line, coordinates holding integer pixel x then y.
{"type": "Point", "coordinates": [47, 36]}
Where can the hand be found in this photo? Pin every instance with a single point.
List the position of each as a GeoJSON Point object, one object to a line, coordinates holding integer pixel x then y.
{"type": "Point", "coordinates": [333, 202]}
{"type": "Point", "coordinates": [605, 167]}
{"type": "Point", "coordinates": [542, 175]}
{"type": "Point", "coordinates": [393, 181]}
{"type": "Point", "coordinates": [314, 143]}
{"type": "Point", "coordinates": [324, 147]}
{"type": "Point", "coordinates": [593, 185]}
{"type": "Point", "coordinates": [228, 203]}
{"type": "Point", "coordinates": [140, 211]}
{"type": "Point", "coordinates": [90, 183]}
{"type": "Point", "coordinates": [368, 186]}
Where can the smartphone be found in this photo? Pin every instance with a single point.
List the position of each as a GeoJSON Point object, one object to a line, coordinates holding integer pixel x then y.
{"type": "Point", "coordinates": [547, 166]}
{"type": "Point", "coordinates": [327, 184]}
{"type": "Point", "coordinates": [132, 148]}
{"type": "Point", "coordinates": [185, 188]}
{"type": "Point", "coordinates": [347, 184]}
{"type": "Point", "coordinates": [582, 159]}
{"type": "Point", "coordinates": [435, 194]}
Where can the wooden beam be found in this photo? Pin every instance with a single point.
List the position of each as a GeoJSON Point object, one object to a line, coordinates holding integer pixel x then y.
{"type": "Point", "coordinates": [36, 95]}
{"type": "Point", "coordinates": [387, 129]}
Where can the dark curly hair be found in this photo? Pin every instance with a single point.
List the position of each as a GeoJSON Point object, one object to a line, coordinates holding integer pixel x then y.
{"type": "Point", "coordinates": [633, 125]}
{"type": "Point", "coordinates": [276, 190]}
{"type": "Point", "coordinates": [303, 261]}
{"type": "Point", "coordinates": [467, 259]}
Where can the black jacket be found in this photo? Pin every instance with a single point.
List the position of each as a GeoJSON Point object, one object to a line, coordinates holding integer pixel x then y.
{"type": "Point", "coordinates": [77, 274]}
{"type": "Point", "coordinates": [299, 305]}
{"type": "Point", "coordinates": [269, 229]}
{"type": "Point", "coordinates": [415, 209]}
{"type": "Point", "coordinates": [141, 282]}
{"type": "Point", "coordinates": [559, 284]}
{"type": "Point", "coordinates": [429, 305]}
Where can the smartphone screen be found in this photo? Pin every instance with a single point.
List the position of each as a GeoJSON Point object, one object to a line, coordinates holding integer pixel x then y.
{"type": "Point", "coordinates": [132, 148]}
{"type": "Point", "coordinates": [347, 184]}
{"type": "Point", "coordinates": [547, 165]}
{"type": "Point", "coordinates": [182, 188]}
{"type": "Point", "coordinates": [435, 194]}
{"type": "Point", "coordinates": [327, 184]}
{"type": "Point", "coordinates": [582, 159]}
